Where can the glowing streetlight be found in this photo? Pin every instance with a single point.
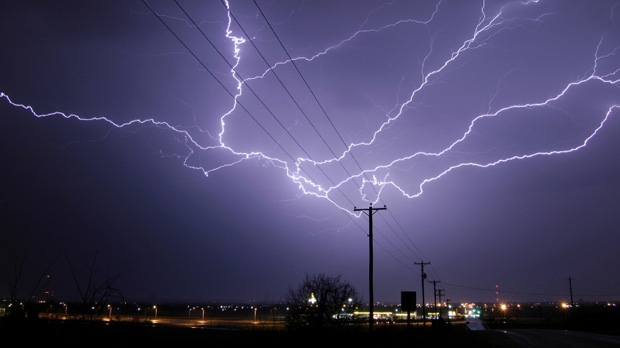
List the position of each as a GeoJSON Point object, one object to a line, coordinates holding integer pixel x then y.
{"type": "Point", "coordinates": [312, 299]}
{"type": "Point", "coordinates": [155, 308]}
{"type": "Point", "coordinates": [504, 308]}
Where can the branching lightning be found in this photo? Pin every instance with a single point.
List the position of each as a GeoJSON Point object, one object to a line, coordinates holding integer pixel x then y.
{"type": "Point", "coordinates": [339, 175]}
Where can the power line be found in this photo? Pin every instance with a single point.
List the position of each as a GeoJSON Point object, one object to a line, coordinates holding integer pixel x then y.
{"type": "Point", "coordinates": [260, 100]}
{"type": "Point", "coordinates": [321, 107]}
{"type": "Point", "coordinates": [309, 88]}
{"type": "Point", "coordinates": [215, 78]}
{"type": "Point", "coordinates": [348, 149]}
{"type": "Point", "coordinates": [239, 103]}
{"type": "Point", "coordinates": [273, 115]}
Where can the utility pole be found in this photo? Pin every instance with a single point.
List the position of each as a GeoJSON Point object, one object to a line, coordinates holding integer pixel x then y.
{"type": "Point", "coordinates": [435, 291]}
{"type": "Point", "coordinates": [570, 287]}
{"type": "Point", "coordinates": [422, 263]}
{"type": "Point", "coordinates": [440, 294]}
{"type": "Point", "coordinates": [370, 212]}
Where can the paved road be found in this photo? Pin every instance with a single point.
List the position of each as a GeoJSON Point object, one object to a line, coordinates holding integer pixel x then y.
{"type": "Point", "coordinates": [540, 338]}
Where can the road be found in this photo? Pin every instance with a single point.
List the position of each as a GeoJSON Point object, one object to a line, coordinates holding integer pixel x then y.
{"type": "Point", "coordinates": [540, 338]}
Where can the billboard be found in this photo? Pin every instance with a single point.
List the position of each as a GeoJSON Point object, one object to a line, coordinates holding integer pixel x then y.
{"type": "Point", "coordinates": [407, 300]}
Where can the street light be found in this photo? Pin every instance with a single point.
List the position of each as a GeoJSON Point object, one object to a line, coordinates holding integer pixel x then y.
{"type": "Point", "coordinates": [155, 308]}
{"type": "Point", "coordinates": [504, 309]}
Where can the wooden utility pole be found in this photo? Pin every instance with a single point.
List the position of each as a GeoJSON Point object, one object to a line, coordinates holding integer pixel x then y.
{"type": "Point", "coordinates": [435, 292]}
{"type": "Point", "coordinates": [370, 211]}
{"type": "Point", "coordinates": [439, 293]}
{"type": "Point", "coordinates": [423, 275]}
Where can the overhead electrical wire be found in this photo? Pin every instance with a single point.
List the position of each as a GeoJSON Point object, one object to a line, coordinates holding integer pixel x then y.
{"type": "Point", "coordinates": [322, 109]}
{"type": "Point", "coordinates": [277, 120]}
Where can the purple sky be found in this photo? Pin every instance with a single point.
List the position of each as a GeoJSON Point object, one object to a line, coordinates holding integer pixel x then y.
{"type": "Point", "coordinates": [488, 130]}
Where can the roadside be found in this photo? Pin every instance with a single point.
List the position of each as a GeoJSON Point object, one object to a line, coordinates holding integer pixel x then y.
{"type": "Point", "coordinates": [123, 334]}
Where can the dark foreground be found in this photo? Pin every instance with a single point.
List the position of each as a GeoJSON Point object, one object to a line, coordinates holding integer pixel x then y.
{"type": "Point", "coordinates": [98, 334]}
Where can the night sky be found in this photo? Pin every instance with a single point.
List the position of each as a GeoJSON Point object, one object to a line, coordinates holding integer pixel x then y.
{"type": "Point", "coordinates": [216, 151]}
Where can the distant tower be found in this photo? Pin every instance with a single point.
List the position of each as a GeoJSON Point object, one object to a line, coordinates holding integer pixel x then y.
{"type": "Point", "coordinates": [49, 294]}
{"type": "Point", "coordinates": [497, 293]}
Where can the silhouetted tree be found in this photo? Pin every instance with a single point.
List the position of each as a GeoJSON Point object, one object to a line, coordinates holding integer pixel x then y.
{"type": "Point", "coordinates": [95, 291]}
{"type": "Point", "coordinates": [321, 300]}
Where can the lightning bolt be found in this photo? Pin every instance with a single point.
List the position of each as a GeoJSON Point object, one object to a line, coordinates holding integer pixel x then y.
{"type": "Point", "coordinates": [376, 164]}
